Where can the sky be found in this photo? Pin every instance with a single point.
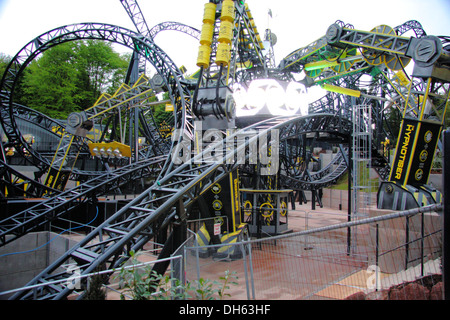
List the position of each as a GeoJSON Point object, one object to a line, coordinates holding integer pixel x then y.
{"type": "Point", "coordinates": [296, 23]}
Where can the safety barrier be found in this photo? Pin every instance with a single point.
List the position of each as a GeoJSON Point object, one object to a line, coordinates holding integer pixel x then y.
{"type": "Point", "coordinates": [332, 262]}
{"type": "Point", "coordinates": [114, 289]}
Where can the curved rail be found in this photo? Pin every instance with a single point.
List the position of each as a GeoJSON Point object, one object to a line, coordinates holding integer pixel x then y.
{"type": "Point", "coordinates": [134, 12]}
{"type": "Point", "coordinates": [317, 180]}
{"type": "Point", "coordinates": [168, 71]}
{"type": "Point", "coordinates": [53, 208]}
{"type": "Point", "coordinates": [16, 184]}
{"type": "Point", "coordinates": [177, 187]}
{"type": "Point", "coordinates": [174, 26]}
{"type": "Point", "coordinates": [142, 218]}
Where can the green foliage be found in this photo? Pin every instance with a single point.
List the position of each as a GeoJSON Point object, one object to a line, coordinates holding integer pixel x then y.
{"type": "Point", "coordinates": [437, 161]}
{"type": "Point", "coordinates": [393, 122]}
{"type": "Point", "coordinates": [159, 111]}
{"type": "Point", "coordinates": [142, 283]}
{"type": "Point", "coordinates": [49, 85]}
{"type": "Point", "coordinates": [95, 290]}
{"type": "Point", "coordinates": [102, 68]}
{"type": "Point", "coordinates": [4, 61]}
{"type": "Point", "coordinates": [70, 77]}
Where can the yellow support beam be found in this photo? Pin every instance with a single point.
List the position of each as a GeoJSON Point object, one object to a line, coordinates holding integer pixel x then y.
{"type": "Point", "coordinates": [346, 91]}
{"type": "Point", "coordinates": [320, 65]}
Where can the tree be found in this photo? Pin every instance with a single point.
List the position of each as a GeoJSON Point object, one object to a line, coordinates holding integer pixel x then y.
{"type": "Point", "coordinates": [50, 85]}
{"type": "Point", "coordinates": [71, 76]}
{"type": "Point", "coordinates": [102, 69]}
{"type": "Point", "coordinates": [4, 60]}
{"type": "Point", "coordinates": [95, 290]}
{"type": "Point", "coordinates": [393, 122]}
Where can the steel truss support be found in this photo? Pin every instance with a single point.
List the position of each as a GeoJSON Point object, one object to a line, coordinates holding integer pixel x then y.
{"type": "Point", "coordinates": [169, 72]}
{"type": "Point", "coordinates": [61, 204]}
{"type": "Point", "coordinates": [174, 26]}
{"type": "Point", "coordinates": [135, 14]}
{"type": "Point", "coordinates": [156, 208]}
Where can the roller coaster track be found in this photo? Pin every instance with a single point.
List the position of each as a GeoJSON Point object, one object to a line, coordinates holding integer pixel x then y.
{"type": "Point", "coordinates": [49, 210]}
{"type": "Point", "coordinates": [15, 184]}
{"type": "Point", "coordinates": [169, 72]}
{"type": "Point", "coordinates": [411, 25]}
{"type": "Point", "coordinates": [168, 201]}
{"type": "Point", "coordinates": [39, 121]}
{"type": "Point", "coordinates": [135, 14]}
{"type": "Point", "coordinates": [323, 178]}
{"type": "Point", "coordinates": [174, 26]}
{"type": "Point", "coordinates": [32, 116]}
{"type": "Point", "coordinates": [142, 218]}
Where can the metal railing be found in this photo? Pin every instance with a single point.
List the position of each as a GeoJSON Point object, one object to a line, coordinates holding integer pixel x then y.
{"type": "Point", "coordinates": [319, 263]}
{"type": "Point", "coordinates": [76, 279]}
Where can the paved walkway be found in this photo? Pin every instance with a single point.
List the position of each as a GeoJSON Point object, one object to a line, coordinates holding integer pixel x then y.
{"type": "Point", "coordinates": [304, 218]}
{"type": "Point", "coordinates": [300, 219]}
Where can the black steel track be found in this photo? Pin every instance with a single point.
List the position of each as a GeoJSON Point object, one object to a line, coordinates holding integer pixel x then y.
{"type": "Point", "coordinates": [155, 209]}
{"type": "Point", "coordinates": [19, 185]}
{"type": "Point", "coordinates": [168, 71]}
{"type": "Point", "coordinates": [62, 203]}
{"type": "Point", "coordinates": [179, 185]}
{"type": "Point", "coordinates": [174, 26]}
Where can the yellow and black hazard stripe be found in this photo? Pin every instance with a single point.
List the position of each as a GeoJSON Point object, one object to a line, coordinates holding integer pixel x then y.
{"type": "Point", "coordinates": [229, 250]}
{"type": "Point", "coordinates": [203, 239]}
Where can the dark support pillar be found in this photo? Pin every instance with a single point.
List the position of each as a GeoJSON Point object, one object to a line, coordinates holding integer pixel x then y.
{"type": "Point", "coordinates": [175, 239]}
{"type": "Point", "coordinates": [446, 217]}
{"type": "Point", "coordinates": [292, 197]}
{"type": "Point", "coordinates": [180, 227]}
{"type": "Point", "coordinates": [313, 199]}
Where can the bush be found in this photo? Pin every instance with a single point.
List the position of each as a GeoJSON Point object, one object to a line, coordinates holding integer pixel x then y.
{"type": "Point", "coordinates": [146, 284]}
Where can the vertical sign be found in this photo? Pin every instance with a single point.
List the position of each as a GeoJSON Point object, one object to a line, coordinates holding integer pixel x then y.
{"type": "Point", "coordinates": [223, 200]}
{"type": "Point", "coordinates": [405, 144]}
{"type": "Point", "coordinates": [446, 217]}
{"type": "Point", "coordinates": [425, 147]}
{"type": "Point", "coordinates": [216, 229]}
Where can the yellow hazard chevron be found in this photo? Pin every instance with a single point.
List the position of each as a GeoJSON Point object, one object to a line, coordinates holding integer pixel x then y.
{"type": "Point", "coordinates": [230, 238]}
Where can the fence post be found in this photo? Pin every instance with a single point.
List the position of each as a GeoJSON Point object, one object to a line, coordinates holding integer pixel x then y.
{"type": "Point", "coordinates": [422, 243]}
{"type": "Point", "coordinates": [197, 256]}
{"type": "Point", "coordinates": [377, 255]}
{"type": "Point", "coordinates": [244, 259]}
{"type": "Point", "coordinates": [250, 266]}
{"type": "Point", "coordinates": [407, 242]}
{"type": "Point", "coordinates": [446, 216]}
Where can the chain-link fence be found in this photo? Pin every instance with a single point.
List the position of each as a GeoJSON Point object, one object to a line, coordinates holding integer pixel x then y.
{"type": "Point", "coordinates": [331, 262]}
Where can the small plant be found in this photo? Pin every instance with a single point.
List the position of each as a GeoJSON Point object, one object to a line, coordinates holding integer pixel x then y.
{"type": "Point", "coordinates": [142, 283]}
{"type": "Point", "coordinates": [95, 290]}
{"type": "Point", "coordinates": [436, 166]}
{"type": "Point", "coordinates": [136, 281]}
{"type": "Point", "coordinates": [213, 290]}
{"type": "Point", "coordinates": [229, 278]}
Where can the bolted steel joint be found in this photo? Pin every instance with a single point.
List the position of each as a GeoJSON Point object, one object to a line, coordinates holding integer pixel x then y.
{"type": "Point", "coordinates": [333, 33]}
{"type": "Point", "coordinates": [427, 50]}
